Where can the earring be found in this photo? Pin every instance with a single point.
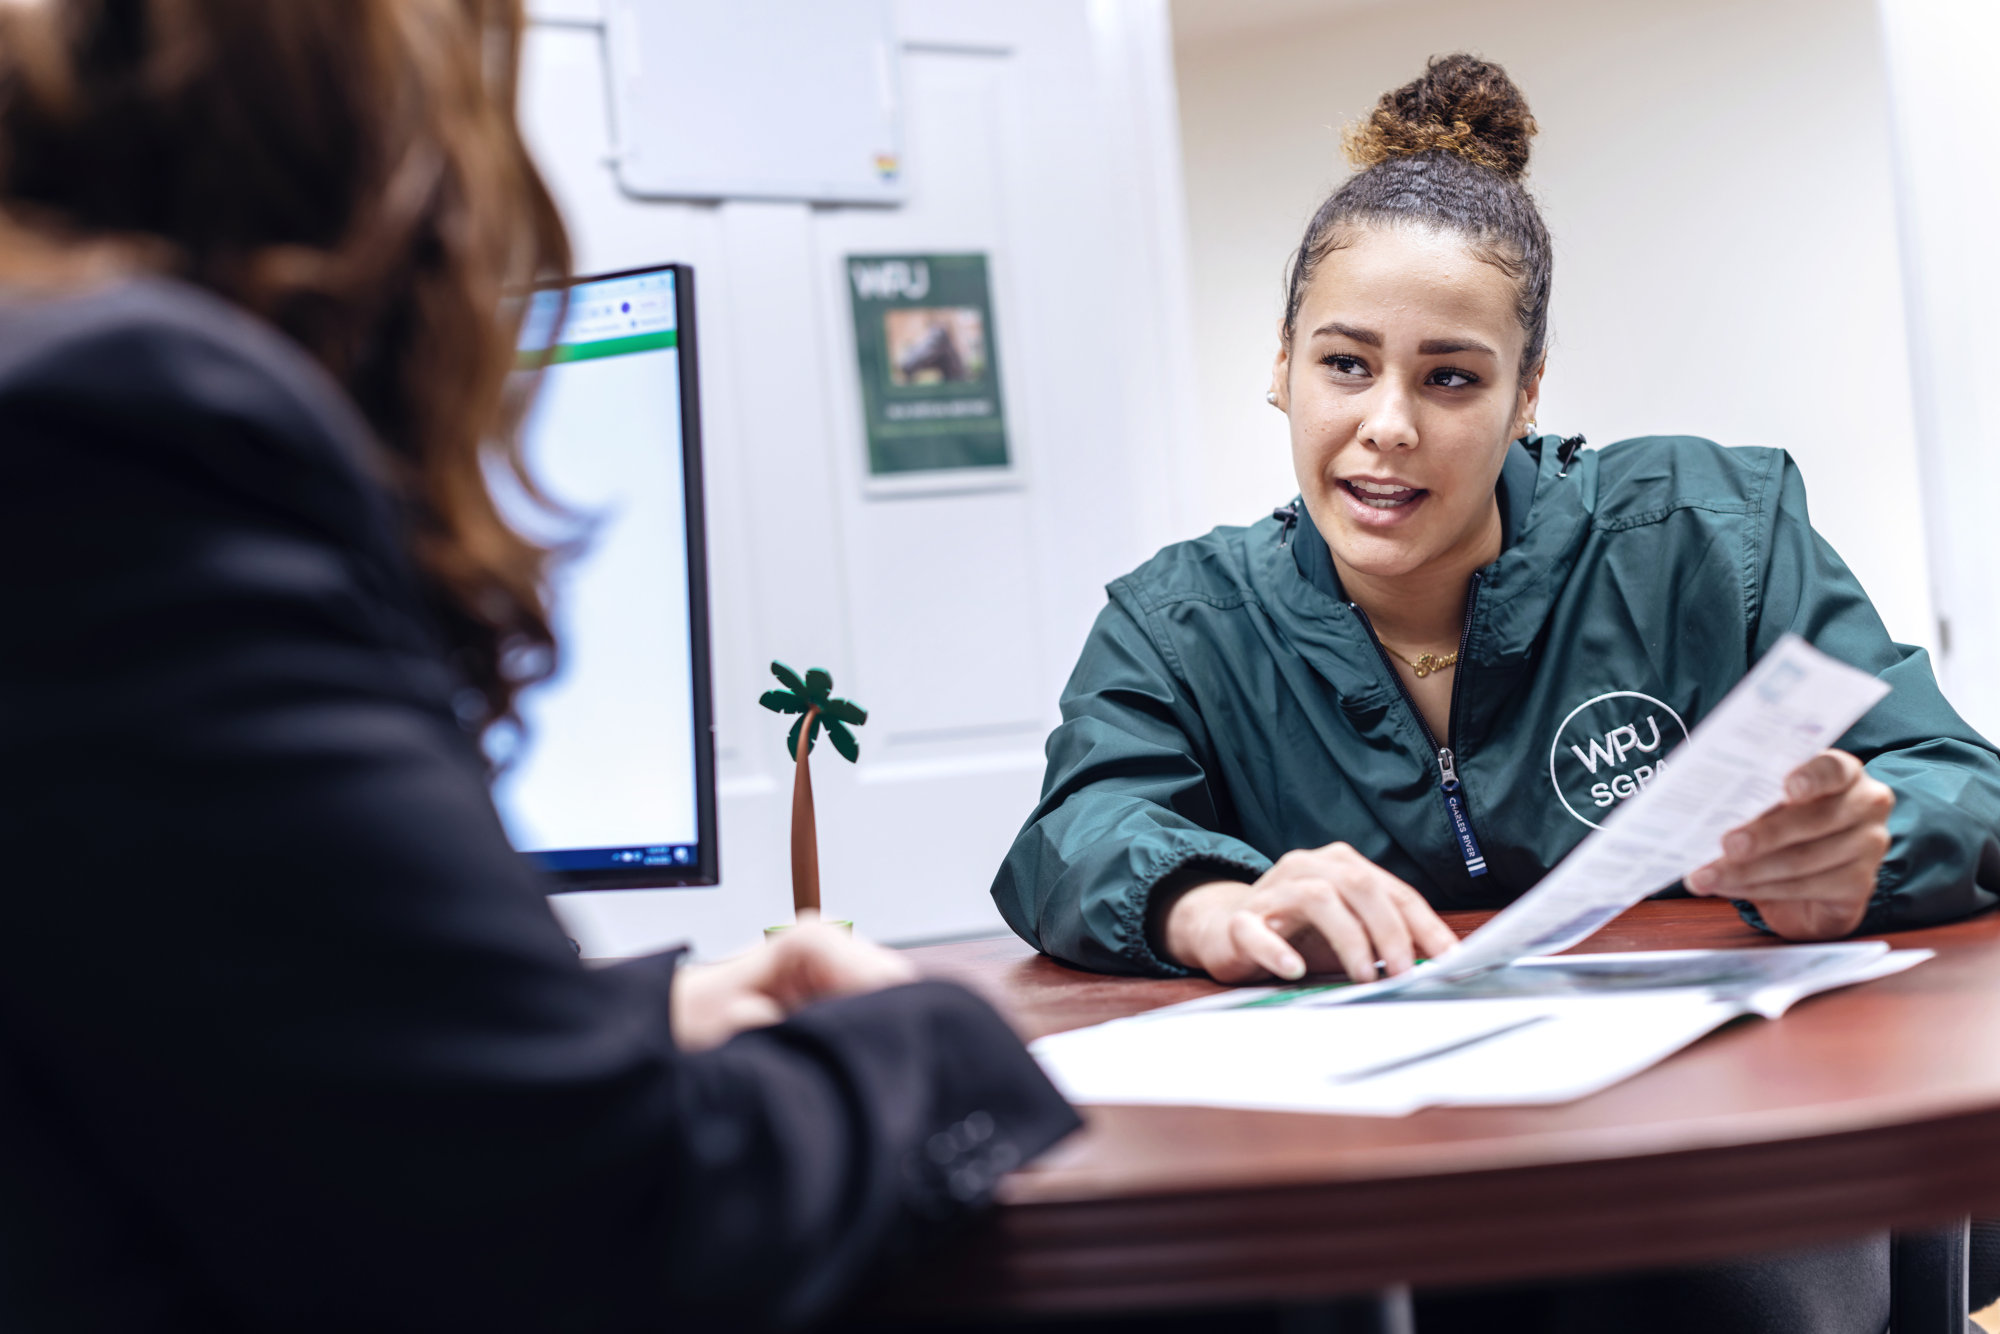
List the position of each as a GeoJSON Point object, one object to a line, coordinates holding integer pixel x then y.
{"type": "Point", "coordinates": [1271, 397]}
{"type": "Point", "coordinates": [1529, 433]}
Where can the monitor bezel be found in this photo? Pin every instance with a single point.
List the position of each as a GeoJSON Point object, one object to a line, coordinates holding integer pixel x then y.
{"type": "Point", "coordinates": [706, 868]}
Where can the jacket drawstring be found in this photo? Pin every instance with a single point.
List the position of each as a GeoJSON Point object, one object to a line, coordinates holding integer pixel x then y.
{"type": "Point", "coordinates": [1288, 515]}
{"type": "Point", "coordinates": [1566, 454]}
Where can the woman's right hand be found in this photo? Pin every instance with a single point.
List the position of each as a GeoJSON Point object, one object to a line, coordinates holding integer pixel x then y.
{"type": "Point", "coordinates": [1315, 911]}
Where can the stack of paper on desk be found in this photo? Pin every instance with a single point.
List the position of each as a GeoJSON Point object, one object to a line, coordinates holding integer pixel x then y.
{"type": "Point", "coordinates": [1541, 1031]}
{"type": "Point", "coordinates": [1485, 1023]}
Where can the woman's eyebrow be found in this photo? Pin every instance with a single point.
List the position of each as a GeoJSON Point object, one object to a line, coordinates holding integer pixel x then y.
{"type": "Point", "coordinates": [1430, 347]}
{"type": "Point", "coordinates": [1365, 336]}
{"type": "Point", "coordinates": [1438, 347]}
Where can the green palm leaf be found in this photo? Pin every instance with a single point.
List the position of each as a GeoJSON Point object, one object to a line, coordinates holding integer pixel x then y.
{"type": "Point", "coordinates": [789, 679]}
{"type": "Point", "coordinates": [818, 682]}
{"type": "Point", "coordinates": [792, 740]}
{"type": "Point", "coordinates": [782, 701]}
{"type": "Point", "coordinates": [847, 711]}
{"type": "Point", "coordinates": [843, 740]}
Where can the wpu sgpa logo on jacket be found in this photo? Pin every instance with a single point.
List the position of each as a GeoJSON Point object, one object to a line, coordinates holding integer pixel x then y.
{"type": "Point", "coordinates": [1608, 749]}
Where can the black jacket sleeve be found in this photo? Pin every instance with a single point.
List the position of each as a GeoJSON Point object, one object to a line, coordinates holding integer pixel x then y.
{"type": "Point", "coordinates": [287, 1025]}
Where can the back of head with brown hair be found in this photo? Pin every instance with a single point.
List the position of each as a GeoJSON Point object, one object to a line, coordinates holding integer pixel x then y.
{"type": "Point", "coordinates": [351, 171]}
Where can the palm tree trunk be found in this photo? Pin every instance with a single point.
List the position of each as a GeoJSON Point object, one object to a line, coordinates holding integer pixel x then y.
{"type": "Point", "coordinates": [805, 835]}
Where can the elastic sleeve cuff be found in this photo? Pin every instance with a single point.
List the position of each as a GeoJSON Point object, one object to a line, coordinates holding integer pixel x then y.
{"type": "Point", "coordinates": [1173, 871]}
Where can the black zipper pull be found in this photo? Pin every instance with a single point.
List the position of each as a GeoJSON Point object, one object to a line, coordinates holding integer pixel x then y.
{"type": "Point", "coordinates": [1461, 823]}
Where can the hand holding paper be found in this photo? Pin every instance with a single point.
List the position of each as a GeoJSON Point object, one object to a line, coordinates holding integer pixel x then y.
{"type": "Point", "coordinates": [1809, 864]}
{"type": "Point", "coordinates": [1793, 704]}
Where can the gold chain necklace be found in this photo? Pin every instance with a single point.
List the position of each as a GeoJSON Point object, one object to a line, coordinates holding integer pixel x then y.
{"type": "Point", "coordinates": [1430, 662]}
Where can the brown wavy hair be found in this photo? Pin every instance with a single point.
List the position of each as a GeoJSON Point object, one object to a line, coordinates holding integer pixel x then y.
{"type": "Point", "coordinates": [352, 172]}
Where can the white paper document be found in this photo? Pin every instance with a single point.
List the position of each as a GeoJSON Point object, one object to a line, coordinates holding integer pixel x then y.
{"type": "Point", "coordinates": [1794, 703]}
{"type": "Point", "coordinates": [1541, 1031]}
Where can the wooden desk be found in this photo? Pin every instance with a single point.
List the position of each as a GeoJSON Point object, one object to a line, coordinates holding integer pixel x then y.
{"type": "Point", "coordinates": [1863, 1109]}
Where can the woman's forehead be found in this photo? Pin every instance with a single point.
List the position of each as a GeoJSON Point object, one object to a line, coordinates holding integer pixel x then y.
{"type": "Point", "coordinates": [1411, 281]}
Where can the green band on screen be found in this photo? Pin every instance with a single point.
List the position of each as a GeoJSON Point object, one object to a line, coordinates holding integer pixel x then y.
{"type": "Point", "coordinates": [606, 347]}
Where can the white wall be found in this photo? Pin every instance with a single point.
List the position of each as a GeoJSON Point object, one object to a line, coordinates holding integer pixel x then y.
{"type": "Point", "coordinates": [1941, 57]}
{"type": "Point", "coordinates": [1717, 176]}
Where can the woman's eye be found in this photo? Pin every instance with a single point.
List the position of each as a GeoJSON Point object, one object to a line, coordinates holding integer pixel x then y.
{"type": "Point", "coordinates": [1343, 364]}
{"type": "Point", "coordinates": [1450, 379]}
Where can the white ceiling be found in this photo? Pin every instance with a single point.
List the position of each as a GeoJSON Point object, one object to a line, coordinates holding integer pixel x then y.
{"type": "Point", "coordinates": [1211, 20]}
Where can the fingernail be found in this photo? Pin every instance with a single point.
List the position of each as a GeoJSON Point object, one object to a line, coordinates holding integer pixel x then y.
{"type": "Point", "coordinates": [1702, 880]}
{"type": "Point", "coordinates": [1797, 788]}
{"type": "Point", "coordinates": [1293, 970]}
{"type": "Point", "coordinates": [1736, 845]}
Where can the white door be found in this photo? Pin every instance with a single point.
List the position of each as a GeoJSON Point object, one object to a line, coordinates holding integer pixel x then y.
{"type": "Point", "coordinates": [1040, 133]}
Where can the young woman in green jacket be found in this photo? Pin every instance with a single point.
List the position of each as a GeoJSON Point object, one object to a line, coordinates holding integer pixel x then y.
{"type": "Point", "coordinates": [1286, 746]}
{"type": "Point", "coordinates": [1419, 686]}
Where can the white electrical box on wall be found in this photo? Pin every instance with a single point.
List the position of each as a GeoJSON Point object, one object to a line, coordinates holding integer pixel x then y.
{"type": "Point", "coordinates": [756, 99]}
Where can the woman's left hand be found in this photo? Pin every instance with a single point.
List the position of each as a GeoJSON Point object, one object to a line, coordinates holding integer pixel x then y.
{"type": "Point", "coordinates": [1809, 862]}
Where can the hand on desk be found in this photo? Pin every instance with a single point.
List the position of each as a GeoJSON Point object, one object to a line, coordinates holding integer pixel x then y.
{"type": "Point", "coordinates": [1808, 863]}
{"type": "Point", "coordinates": [1318, 909]}
{"type": "Point", "coordinates": [712, 1003]}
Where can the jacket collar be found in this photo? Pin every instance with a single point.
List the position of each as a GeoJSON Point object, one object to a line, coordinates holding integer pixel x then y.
{"type": "Point", "coordinates": [1543, 521]}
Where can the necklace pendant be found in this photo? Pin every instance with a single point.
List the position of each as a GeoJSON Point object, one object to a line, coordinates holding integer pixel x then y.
{"type": "Point", "coordinates": [1425, 665]}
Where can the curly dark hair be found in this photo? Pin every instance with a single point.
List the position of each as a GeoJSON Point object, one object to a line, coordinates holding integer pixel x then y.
{"type": "Point", "coordinates": [1446, 150]}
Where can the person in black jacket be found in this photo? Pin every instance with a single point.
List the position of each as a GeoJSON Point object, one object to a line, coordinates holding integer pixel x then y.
{"type": "Point", "coordinates": [289, 1038]}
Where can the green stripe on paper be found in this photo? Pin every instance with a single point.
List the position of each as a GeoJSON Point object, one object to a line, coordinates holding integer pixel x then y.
{"type": "Point", "coordinates": [1287, 996]}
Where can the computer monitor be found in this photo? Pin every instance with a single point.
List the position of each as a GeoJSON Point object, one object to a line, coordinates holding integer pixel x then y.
{"type": "Point", "coordinates": [611, 784]}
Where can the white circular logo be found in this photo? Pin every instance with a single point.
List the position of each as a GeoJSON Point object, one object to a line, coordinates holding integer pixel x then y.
{"type": "Point", "coordinates": [1609, 748]}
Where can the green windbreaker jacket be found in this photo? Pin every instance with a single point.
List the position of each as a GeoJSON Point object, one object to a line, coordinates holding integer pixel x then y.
{"type": "Point", "coordinates": [1231, 705]}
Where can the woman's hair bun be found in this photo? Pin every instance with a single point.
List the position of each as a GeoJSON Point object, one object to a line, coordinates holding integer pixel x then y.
{"type": "Point", "coordinates": [1460, 104]}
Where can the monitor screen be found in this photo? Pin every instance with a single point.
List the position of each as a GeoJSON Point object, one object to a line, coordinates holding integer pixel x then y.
{"type": "Point", "coordinates": [611, 781]}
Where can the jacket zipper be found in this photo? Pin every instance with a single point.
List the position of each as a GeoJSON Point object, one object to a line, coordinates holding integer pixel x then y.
{"type": "Point", "coordinates": [1448, 782]}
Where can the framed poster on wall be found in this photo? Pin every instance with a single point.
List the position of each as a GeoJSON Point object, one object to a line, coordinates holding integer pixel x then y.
{"type": "Point", "coordinates": [930, 372]}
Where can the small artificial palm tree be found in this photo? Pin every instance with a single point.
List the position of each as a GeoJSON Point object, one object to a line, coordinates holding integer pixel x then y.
{"type": "Point", "coordinates": [812, 699]}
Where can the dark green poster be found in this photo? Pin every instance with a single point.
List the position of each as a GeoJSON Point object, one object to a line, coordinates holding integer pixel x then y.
{"type": "Point", "coordinates": [930, 374]}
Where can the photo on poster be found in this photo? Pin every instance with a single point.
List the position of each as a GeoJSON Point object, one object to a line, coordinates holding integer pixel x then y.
{"type": "Point", "coordinates": [935, 345]}
{"type": "Point", "coordinates": [930, 382]}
